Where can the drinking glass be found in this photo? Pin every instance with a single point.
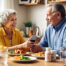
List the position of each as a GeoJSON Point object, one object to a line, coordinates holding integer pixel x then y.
{"type": "Point", "coordinates": [3, 55]}
{"type": "Point", "coordinates": [63, 55]}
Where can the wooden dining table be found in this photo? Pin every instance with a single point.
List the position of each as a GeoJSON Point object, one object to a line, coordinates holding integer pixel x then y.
{"type": "Point", "coordinates": [38, 62]}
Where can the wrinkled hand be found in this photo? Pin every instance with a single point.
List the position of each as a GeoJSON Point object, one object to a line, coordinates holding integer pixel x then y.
{"type": "Point", "coordinates": [27, 43]}
{"type": "Point", "coordinates": [35, 48]}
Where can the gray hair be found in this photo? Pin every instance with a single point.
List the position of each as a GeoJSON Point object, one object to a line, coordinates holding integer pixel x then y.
{"type": "Point", "coordinates": [4, 15]}
{"type": "Point", "coordinates": [58, 7]}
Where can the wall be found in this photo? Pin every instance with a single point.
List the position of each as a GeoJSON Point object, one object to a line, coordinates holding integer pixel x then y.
{"type": "Point", "coordinates": [21, 11]}
{"type": "Point", "coordinates": [21, 14]}
{"type": "Point", "coordinates": [36, 14]}
{"type": "Point", "coordinates": [8, 4]}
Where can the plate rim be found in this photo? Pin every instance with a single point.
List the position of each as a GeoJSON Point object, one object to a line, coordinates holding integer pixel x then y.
{"type": "Point", "coordinates": [18, 54]}
{"type": "Point", "coordinates": [42, 57]}
{"type": "Point", "coordinates": [34, 59]}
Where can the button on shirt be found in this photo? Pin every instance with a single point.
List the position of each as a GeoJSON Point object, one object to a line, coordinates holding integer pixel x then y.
{"type": "Point", "coordinates": [55, 37]}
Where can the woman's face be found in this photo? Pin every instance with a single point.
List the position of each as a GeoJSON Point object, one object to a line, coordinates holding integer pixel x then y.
{"type": "Point", "coordinates": [11, 22]}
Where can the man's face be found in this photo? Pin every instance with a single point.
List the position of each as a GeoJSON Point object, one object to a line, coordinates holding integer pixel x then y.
{"type": "Point", "coordinates": [52, 17]}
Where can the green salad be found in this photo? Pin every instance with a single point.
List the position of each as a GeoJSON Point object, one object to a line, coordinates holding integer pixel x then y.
{"type": "Point", "coordinates": [24, 58]}
{"type": "Point", "coordinates": [11, 52]}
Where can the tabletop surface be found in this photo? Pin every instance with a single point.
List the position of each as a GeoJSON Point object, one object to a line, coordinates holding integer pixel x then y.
{"type": "Point", "coordinates": [40, 62]}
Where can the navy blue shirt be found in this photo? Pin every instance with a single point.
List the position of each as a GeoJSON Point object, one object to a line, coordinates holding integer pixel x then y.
{"type": "Point", "coordinates": [55, 37]}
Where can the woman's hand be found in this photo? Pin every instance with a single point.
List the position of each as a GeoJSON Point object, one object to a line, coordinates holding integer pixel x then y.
{"type": "Point", "coordinates": [33, 47]}
{"type": "Point", "coordinates": [28, 44]}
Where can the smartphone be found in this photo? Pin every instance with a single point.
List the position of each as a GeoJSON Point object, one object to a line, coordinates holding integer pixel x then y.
{"type": "Point", "coordinates": [33, 38]}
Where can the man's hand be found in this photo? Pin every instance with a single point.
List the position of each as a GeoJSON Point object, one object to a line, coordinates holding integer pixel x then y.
{"type": "Point", "coordinates": [35, 48]}
{"type": "Point", "coordinates": [29, 45]}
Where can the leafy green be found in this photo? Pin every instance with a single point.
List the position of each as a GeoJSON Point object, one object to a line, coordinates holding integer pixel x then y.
{"type": "Point", "coordinates": [11, 52]}
{"type": "Point", "coordinates": [28, 24]}
{"type": "Point", "coordinates": [24, 58]}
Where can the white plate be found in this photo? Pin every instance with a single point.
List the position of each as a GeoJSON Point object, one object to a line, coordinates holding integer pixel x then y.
{"type": "Point", "coordinates": [14, 54]}
{"type": "Point", "coordinates": [19, 54]}
{"type": "Point", "coordinates": [26, 54]}
{"type": "Point", "coordinates": [42, 57]}
{"type": "Point", "coordinates": [39, 57]}
{"type": "Point", "coordinates": [32, 59]}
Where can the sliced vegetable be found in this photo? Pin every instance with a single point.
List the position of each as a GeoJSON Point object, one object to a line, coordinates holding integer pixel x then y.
{"type": "Point", "coordinates": [21, 58]}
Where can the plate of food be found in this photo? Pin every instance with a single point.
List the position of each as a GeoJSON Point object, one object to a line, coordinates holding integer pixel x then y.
{"type": "Point", "coordinates": [22, 58]}
{"type": "Point", "coordinates": [12, 53]}
{"type": "Point", "coordinates": [39, 55]}
{"type": "Point", "coordinates": [18, 52]}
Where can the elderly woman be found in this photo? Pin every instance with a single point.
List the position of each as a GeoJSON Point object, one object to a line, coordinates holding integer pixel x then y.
{"type": "Point", "coordinates": [9, 35]}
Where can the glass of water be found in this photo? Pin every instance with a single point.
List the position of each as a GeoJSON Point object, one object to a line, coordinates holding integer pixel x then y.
{"type": "Point", "coordinates": [3, 55]}
{"type": "Point", "coordinates": [63, 55]}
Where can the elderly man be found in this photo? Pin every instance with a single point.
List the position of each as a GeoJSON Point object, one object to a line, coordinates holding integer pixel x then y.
{"type": "Point", "coordinates": [55, 34]}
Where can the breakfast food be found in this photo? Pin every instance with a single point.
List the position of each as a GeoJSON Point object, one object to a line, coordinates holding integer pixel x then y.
{"type": "Point", "coordinates": [19, 51]}
{"type": "Point", "coordinates": [39, 54]}
{"type": "Point", "coordinates": [21, 57]}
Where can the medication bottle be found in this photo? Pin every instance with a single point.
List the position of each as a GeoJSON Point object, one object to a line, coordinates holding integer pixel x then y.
{"type": "Point", "coordinates": [53, 55]}
{"type": "Point", "coordinates": [48, 54]}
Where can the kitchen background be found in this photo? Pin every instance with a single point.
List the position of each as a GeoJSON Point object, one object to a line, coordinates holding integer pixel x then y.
{"type": "Point", "coordinates": [35, 14]}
